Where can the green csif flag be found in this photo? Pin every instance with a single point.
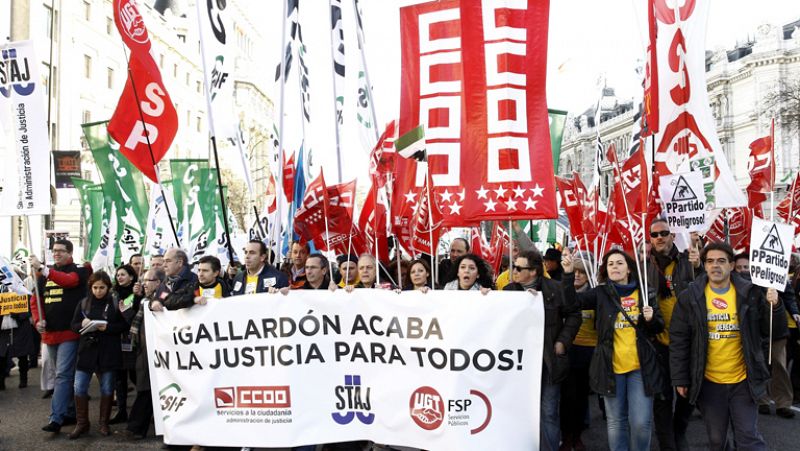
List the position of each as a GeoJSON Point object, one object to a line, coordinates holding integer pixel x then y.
{"type": "Point", "coordinates": [123, 186]}
{"type": "Point", "coordinates": [186, 190]}
{"type": "Point", "coordinates": [91, 198]}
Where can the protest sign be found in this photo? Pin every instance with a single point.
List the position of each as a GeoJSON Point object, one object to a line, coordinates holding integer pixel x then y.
{"type": "Point", "coordinates": [770, 252]}
{"type": "Point", "coordinates": [684, 200]}
{"type": "Point", "coordinates": [13, 303]}
{"type": "Point", "coordinates": [427, 370]}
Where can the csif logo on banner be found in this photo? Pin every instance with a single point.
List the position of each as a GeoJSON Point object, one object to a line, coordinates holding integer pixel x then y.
{"type": "Point", "coordinates": [172, 399]}
{"type": "Point", "coordinates": [427, 408]}
{"type": "Point", "coordinates": [219, 75]}
{"type": "Point", "coordinates": [353, 401]}
{"type": "Point", "coordinates": [15, 73]}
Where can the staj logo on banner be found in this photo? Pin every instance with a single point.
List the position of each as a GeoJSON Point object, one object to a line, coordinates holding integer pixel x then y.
{"type": "Point", "coordinates": [254, 404]}
{"type": "Point", "coordinates": [15, 73]}
{"type": "Point", "coordinates": [427, 409]}
{"type": "Point", "coordinates": [353, 401]}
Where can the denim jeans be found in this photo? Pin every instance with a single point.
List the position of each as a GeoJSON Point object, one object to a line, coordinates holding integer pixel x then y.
{"type": "Point", "coordinates": [630, 414]}
{"type": "Point", "coordinates": [64, 355]}
{"type": "Point", "coordinates": [723, 404]}
{"type": "Point", "coordinates": [82, 380]}
{"type": "Point", "coordinates": [550, 424]}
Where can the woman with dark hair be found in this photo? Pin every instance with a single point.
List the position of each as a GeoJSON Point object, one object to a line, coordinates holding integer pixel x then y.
{"type": "Point", "coordinates": [419, 274]}
{"type": "Point", "coordinates": [472, 273]}
{"type": "Point", "coordinates": [124, 280]}
{"type": "Point", "coordinates": [98, 350]}
{"type": "Point", "coordinates": [624, 367]}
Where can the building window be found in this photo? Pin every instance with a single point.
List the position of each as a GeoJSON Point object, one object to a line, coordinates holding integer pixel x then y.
{"type": "Point", "coordinates": [161, 61]}
{"type": "Point", "coordinates": [54, 81]}
{"type": "Point", "coordinates": [86, 117]}
{"type": "Point", "coordinates": [87, 10]}
{"type": "Point", "coordinates": [53, 133]}
{"type": "Point", "coordinates": [110, 78]}
{"type": "Point", "coordinates": [187, 78]}
{"type": "Point", "coordinates": [87, 66]}
{"type": "Point", "coordinates": [109, 25]}
{"type": "Point", "coordinates": [199, 87]}
{"type": "Point", "coordinates": [48, 21]}
{"type": "Point", "coordinates": [199, 123]}
{"type": "Point", "coordinates": [174, 71]}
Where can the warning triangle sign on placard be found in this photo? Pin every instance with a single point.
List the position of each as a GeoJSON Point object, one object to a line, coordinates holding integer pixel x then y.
{"type": "Point", "coordinates": [772, 242]}
{"type": "Point", "coordinates": [683, 191]}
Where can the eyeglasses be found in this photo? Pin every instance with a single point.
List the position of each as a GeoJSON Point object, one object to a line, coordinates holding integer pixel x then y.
{"type": "Point", "coordinates": [662, 234]}
{"type": "Point", "coordinates": [718, 261]}
{"type": "Point", "coordinates": [520, 268]}
{"type": "Point", "coordinates": [59, 251]}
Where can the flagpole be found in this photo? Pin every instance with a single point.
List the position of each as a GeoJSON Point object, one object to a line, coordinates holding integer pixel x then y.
{"type": "Point", "coordinates": [430, 225]}
{"type": "Point", "coordinates": [375, 234]}
{"type": "Point", "coordinates": [337, 119]}
{"type": "Point", "coordinates": [511, 251]}
{"type": "Point", "coordinates": [149, 146]}
{"type": "Point", "coordinates": [279, 186]}
{"type": "Point", "coordinates": [33, 273]}
{"type": "Point", "coordinates": [222, 196]}
{"type": "Point", "coordinates": [360, 39]}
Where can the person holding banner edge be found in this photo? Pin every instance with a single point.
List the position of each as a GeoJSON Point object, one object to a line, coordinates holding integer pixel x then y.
{"type": "Point", "coordinates": [718, 334]}
{"type": "Point", "coordinates": [624, 367]}
{"type": "Point", "coordinates": [561, 325]}
{"type": "Point", "coordinates": [62, 286]}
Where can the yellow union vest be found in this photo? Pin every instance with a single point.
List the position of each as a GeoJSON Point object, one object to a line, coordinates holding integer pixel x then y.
{"type": "Point", "coordinates": [626, 356]}
{"type": "Point", "coordinates": [724, 358]}
{"type": "Point", "coordinates": [667, 305]}
{"type": "Point", "coordinates": [215, 292]}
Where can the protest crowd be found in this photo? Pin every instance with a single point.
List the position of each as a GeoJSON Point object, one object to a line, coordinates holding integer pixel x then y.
{"type": "Point", "coordinates": [673, 296]}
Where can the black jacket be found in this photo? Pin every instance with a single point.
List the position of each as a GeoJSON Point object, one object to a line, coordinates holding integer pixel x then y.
{"type": "Point", "coordinates": [561, 323]}
{"type": "Point", "coordinates": [99, 351]}
{"type": "Point", "coordinates": [184, 298]}
{"type": "Point", "coordinates": [688, 335]}
{"type": "Point", "coordinates": [682, 276]}
{"type": "Point", "coordinates": [605, 301]}
{"type": "Point", "coordinates": [269, 277]}
{"type": "Point", "coordinates": [59, 303]}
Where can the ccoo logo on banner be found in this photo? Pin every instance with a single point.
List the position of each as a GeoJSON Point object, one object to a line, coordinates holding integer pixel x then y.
{"type": "Point", "coordinates": [419, 370]}
{"type": "Point", "coordinates": [770, 253]}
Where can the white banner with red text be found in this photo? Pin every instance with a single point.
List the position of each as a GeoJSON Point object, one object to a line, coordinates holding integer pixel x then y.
{"type": "Point", "coordinates": [428, 370]}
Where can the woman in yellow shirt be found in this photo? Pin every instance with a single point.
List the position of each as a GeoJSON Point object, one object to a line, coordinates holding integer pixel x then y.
{"type": "Point", "coordinates": [624, 369]}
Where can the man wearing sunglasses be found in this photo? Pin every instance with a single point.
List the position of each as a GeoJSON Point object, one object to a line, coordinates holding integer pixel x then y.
{"type": "Point", "coordinates": [561, 325]}
{"type": "Point", "coordinates": [673, 271]}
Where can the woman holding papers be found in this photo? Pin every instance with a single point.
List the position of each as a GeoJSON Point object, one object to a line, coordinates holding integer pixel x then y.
{"type": "Point", "coordinates": [98, 320]}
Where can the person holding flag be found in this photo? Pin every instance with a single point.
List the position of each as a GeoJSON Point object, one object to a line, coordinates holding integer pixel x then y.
{"type": "Point", "coordinates": [61, 286]}
{"type": "Point", "coordinates": [674, 271]}
{"type": "Point", "coordinates": [624, 368]}
{"type": "Point", "coordinates": [716, 357]}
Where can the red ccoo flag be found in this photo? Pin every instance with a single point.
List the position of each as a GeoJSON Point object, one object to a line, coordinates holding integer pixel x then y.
{"type": "Point", "coordinates": [145, 121]}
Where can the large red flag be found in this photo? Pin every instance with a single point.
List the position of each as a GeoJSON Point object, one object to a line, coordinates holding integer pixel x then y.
{"type": "Point", "coordinates": [479, 246]}
{"type": "Point", "coordinates": [309, 220]}
{"type": "Point", "coordinates": [426, 223]}
{"type": "Point", "coordinates": [650, 100]}
{"type": "Point", "coordinates": [761, 166]}
{"type": "Point", "coordinates": [145, 121]}
{"type": "Point", "coordinates": [475, 77]}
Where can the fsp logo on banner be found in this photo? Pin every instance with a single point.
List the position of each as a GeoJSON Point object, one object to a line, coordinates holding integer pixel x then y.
{"type": "Point", "coordinates": [684, 201]}
{"type": "Point", "coordinates": [770, 251]}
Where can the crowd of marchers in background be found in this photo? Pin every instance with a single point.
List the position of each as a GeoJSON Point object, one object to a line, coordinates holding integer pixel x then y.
{"type": "Point", "coordinates": [686, 330]}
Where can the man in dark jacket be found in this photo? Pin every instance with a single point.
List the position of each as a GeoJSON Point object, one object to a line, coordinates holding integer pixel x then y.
{"type": "Point", "coordinates": [780, 386]}
{"type": "Point", "coordinates": [670, 271]}
{"type": "Point", "coordinates": [180, 283]}
{"type": "Point", "coordinates": [317, 273]}
{"type": "Point", "coordinates": [258, 275]}
{"type": "Point", "coordinates": [209, 284]}
{"type": "Point", "coordinates": [61, 286]}
{"type": "Point", "coordinates": [561, 326]}
{"type": "Point", "coordinates": [142, 409]}
{"type": "Point", "coordinates": [717, 338]}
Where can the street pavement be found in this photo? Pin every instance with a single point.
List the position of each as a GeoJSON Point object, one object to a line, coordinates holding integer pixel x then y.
{"type": "Point", "coordinates": [23, 413]}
